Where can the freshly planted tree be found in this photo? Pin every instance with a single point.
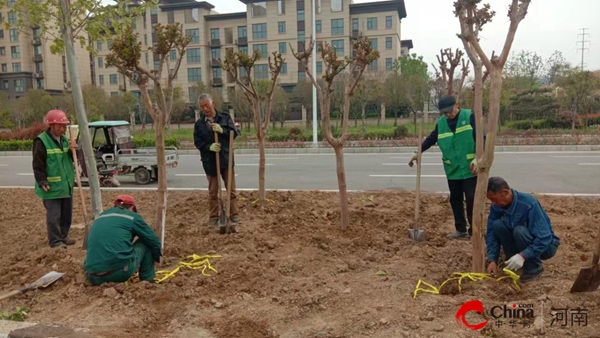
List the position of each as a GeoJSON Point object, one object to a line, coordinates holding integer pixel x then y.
{"type": "Point", "coordinates": [233, 63]}
{"type": "Point", "coordinates": [448, 62]}
{"type": "Point", "coordinates": [64, 23]}
{"type": "Point", "coordinates": [472, 17]}
{"type": "Point", "coordinates": [363, 55]}
{"type": "Point", "coordinates": [126, 53]}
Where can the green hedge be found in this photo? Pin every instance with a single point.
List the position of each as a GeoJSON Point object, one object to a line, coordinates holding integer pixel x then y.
{"type": "Point", "coordinates": [538, 124]}
{"type": "Point", "coordinates": [26, 145]}
{"type": "Point", "coordinates": [296, 134]}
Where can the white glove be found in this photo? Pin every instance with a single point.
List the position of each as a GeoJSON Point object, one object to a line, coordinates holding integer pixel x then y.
{"type": "Point", "coordinates": [515, 262]}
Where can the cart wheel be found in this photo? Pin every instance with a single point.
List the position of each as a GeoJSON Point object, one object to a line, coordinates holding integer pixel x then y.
{"type": "Point", "coordinates": [142, 176]}
{"type": "Point", "coordinates": [155, 174]}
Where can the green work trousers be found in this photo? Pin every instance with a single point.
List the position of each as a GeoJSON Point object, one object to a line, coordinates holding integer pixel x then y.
{"type": "Point", "coordinates": [142, 261]}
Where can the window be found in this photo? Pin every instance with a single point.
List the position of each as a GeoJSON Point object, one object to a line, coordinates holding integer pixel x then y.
{"type": "Point", "coordinates": [373, 65]}
{"type": "Point", "coordinates": [261, 72]}
{"type": "Point", "coordinates": [281, 27]}
{"type": "Point", "coordinates": [40, 83]}
{"type": "Point", "coordinates": [100, 62]}
{"type": "Point", "coordinates": [4, 68]}
{"type": "Point", "coordinates": [191, 15]}
{"type": "Point", "coordinates": [14, 35]}
{"type": "Point", "coordinates": [99, 45]}
{"type": "Point", "coordinates": [12, 18]}
{"type": "Point", "coordinates": [19, 86]}
{"type": "Point", "coordinates": [284, 68]}
{"type": "Point", "coordinates": [145, 40]}
{"type": "Point", "coordinates": [244, 49]}
{"type": "Point", "coordinates": [302, 74]}
{"type": "Point", "coordinates": [282, 48]}
{"type": "Point", "coordinates": [214, 34]}
{"type": "Point", "coordinates": [16, 66]}
{"type": "Point", "coordinates": [388, 43]}
{"type": "Point", "coordinates": [173, 55]}
{"type": "Point", "coordinates": [319, 6]}
{"type": "Point", "coordinates": [337, 26]}
{"type": "Point", "coordinates": [170, 17]}
{"type": "Point", "coordinates": [113, 78]}
{"type": "Point", "coordinates": [338, 46]}
{"type": "Point", "coordinates": [114, 93]}
{"type": "Point", "coordinates": [264, 52]}
{"type": "Point", "coordinates": [156, 64]}
{"type": "Point", "coordinates": [195, 74]}
{"type": "Point", "coordinates": [5, 84]}
{"type": "Point", "coordinates": [300, 15]}
{"type": "Point", "coordinates": [15, 51]}
{"type": "Point", "coordinates": [388, 21]}
{"type": "Point", "coordinates": [217, 73]}
{"type": "Point", "coordinates": [215, 53]}
{"type": "Point", "coordinates": [372, 23]}
{"type": "Point", "coordinates": [101, 79]}
{"type": "Point", "coordinates": [259, 31]}
{"type": "Point", "coordinates": [147, 58]}
{"type": "Point", "coordinates": [39, 66]}
{"type": "Point", "coordinates": [388, 63]}
{"type": "Point", "coordinates": [194, 55]}
{"type": "Point", "coordinates": [108, 43]}
{"type": "Point", "coordinates": [318, 26]}
{"type": "Point", "coordinates": [242, 32]}
{"type": "Point", "coordinates": [355, 24]}
{"type": "Point", "coordinates": [301, 36]}
{"type": "Point", "coordinates": [281, 7]}
{"type": "Point", "coordinates": [2, 51]}
{"type": "Point", "coordinates": [336, 5]}
{"type": "Point", "coordinates": [374, 43]}
{"type": "Point", "coordinates": [319, 67]}
{"type": "Point", "coordinates": [195, 34]}
{"type": "Point", "coordinates": [259, 9]}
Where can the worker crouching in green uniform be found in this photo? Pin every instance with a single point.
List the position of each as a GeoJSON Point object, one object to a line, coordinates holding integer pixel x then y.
{"type": "Point", "coordinates": [112, 255]}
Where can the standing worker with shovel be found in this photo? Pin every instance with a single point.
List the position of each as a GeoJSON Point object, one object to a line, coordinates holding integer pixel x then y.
{"type": "Point", "coordinates": [215, 153]}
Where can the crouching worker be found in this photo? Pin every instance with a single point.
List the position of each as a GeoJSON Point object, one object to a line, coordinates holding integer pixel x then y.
{"type": "Point", "coordinates": [518, 223]}
{"type": "Point", "coordinates": [112, 255]}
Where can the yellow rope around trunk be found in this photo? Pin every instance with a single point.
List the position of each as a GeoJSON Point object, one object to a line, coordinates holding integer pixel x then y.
{"type": "Point", "coordinates": [196, 262]}
{"type": "Point", "coordinates": [473, 276]}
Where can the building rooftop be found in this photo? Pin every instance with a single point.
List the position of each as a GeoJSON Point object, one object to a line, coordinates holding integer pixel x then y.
{"type": "Point", "coordinates": [406, 43]}
{"type": "Point", "coordinates": [380, 6]}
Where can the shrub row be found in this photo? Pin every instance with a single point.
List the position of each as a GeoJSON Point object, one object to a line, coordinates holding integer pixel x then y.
{"type": "Point", "coordinates": [296, 134]}
{"type": "Point", "coordinates": [26, 145]}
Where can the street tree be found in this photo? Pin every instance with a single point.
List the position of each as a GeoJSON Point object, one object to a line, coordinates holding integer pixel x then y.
{"type": "Point", "coordinates": [64, 24]}
{"type": "Point", "coordinates": [362, 55]}
{"type": "Point", "coordinates": [368, 91]}
{"type": "Point", "coordinates": [239, 62]}
{"type": "Point", "coordinates": [472, 17]}
{"type": "Point", "coordinates": [556, 67]}
{"type": "Point", "coordinates": [125, 54]}
{"type": "Point", "coordinates": [448, 63]}
{"type": "Point", "coordinates": [525, 70]}
{"type": "Point", "coordinates": [578, 94]}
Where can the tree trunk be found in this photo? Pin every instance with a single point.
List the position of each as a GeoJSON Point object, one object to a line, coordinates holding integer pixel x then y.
{"type": "Point", "coordinates": [364, 120]}
{"type": "Point", "coordinates": [341, 174]}
{"type": "Point", "coordinates": [262, 165]}
{"type": "Point", "coordinates": [86, 139]}
{"type": "Point", "coordinates": [161, 205]}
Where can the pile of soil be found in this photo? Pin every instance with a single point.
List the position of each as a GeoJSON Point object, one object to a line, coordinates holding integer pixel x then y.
{"type": "Point", "coordinates": [291, 271]}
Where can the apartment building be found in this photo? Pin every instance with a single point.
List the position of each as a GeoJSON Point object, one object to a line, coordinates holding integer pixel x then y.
{"type": "Point", "coordinates": [26, 60]}
{"type": "Point", "coordinates": [266, 26]}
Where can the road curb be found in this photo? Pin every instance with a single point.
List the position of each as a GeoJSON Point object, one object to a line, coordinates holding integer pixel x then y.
{"type": "Point", "coordinates": [372, 150]}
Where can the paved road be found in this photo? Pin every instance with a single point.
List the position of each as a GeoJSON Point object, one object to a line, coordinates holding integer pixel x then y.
{"type": "Point", "coordinates": [543, 172]}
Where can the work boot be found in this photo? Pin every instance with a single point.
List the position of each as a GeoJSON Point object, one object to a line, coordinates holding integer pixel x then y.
{"type": "Point", "coordinates": [59, 245]}
{"type": "Point", "coordinates": [235, 219]}
{"type": "Point", "coordinates": [528, 277]}
{"type": "Point", "coordinates": [69, 241]}
{"type": "Point", "coordinates": [459, 235]}
{"type": "Point", "coordinates": [213, 221]}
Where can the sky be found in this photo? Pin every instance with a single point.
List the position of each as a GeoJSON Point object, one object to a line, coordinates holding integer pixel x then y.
{"type": "Point", "coordinates": [550, 25]}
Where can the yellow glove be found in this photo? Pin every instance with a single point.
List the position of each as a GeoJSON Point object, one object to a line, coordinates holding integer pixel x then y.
{"type": "Point", "coordinates": [474, 168]}
{"type": "Point", "coordinates": [415, 157]}
{"type": "Point", "coordinates": [215, 147]}
{"type": "Point", "coordinates": [216, 127]}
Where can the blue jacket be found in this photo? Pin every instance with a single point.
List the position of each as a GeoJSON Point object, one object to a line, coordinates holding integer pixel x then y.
{"type": "Point", "coordinates": [527, 211]}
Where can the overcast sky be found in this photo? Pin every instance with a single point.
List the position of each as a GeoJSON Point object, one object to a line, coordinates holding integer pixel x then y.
{"type": "Point", "coordinates": [550, 25]}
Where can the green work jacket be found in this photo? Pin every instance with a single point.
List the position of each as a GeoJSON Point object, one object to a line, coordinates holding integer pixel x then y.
{"type": "Point", "coordinates": [458, 148]}
{"type": "Point", "coordinates": [60, 170]}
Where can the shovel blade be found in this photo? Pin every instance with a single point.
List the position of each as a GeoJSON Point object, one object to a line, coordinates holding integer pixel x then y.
{"type": "Point", "coordinates": [47, 279]}
{"type": "Point", "coordinates": [223, 223]}
{"type": "Point", "coordinates": [587, 280]}
{"type": "Point", "coordinates": [416, 235]}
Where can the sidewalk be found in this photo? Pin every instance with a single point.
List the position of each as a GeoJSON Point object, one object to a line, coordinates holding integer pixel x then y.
{"type": "Point", "coordinates": [368, 150]}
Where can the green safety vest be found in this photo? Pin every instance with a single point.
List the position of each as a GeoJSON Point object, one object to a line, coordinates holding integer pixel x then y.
{"type": "Point", "coordinates": [458, 148]}
{"type": "Point", "coordinates": [60, 170]}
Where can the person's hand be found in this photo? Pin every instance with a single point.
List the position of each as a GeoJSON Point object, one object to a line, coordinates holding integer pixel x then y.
{"type": "Point", "coordinates": [515, 262]}
{"type": "Point", "coordinates": [414, 159]}
{"type": "Point", "coordinates": [237, 125]}
{"type": "Point", "coordinates": [492, 268]}
{"type": "Point", "coordinates": [216, 127]}
{"type": "Point", "coordinates": [215, 147]}
{"type": "Point", "coordinates": [474, 168]}
{"type": "Point", "coordinates": [74, 145]}
{"type": "Point", "coordinates": [46, 187]}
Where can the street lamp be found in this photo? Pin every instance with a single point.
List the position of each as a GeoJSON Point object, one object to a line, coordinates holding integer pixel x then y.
{"type": "Point", "coordinates": [314, 67]}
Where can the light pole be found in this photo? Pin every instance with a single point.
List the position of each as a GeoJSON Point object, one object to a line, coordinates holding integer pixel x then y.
{"type": "Point", "coordinates": [314, 70]}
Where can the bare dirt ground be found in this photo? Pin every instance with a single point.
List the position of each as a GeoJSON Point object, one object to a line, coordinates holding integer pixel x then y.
{"type": "Point", "coordinates": [292, 272]}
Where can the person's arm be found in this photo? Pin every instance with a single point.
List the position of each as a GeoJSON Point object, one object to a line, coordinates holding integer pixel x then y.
{"type": "Point", "coordinates": [199, 142]}
{"type": "Point", "coordinates": [493, 246]}
{"type": "Point", "coordinates": [147, 236]}
{"type": "Point", "coordinates": [539, 226]}
{"type": "Point", "coordinates": [39, 162]}
{"type": "Point", "coordinates": [430, 140]}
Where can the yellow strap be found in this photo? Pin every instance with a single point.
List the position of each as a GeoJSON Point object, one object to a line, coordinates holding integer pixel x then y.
{"type": "Point", "coordinates": [196, 262]}
{"type": "Point", "coordinates": [470, 156]}
{"type": "Point", "coordinates": [464, 128]}
{"type": "Point", "coordinates": [473, 276]}
{"type": "Point", "coordinates": [54, 179]}
{"type": "Point", "coordinates": [444, 135]}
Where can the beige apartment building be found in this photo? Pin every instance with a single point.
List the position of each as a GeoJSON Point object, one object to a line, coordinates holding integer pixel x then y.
{"type": "Point", "coordinates": [267, 26]}
{"type": "Point", "coordinates": [27, 63]}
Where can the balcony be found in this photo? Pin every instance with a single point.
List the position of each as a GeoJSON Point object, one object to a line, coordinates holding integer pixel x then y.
{"type": "Point", "coordinates": [357, 34]}
{"type": "Point", "coordinates": [215, 42]}
{"type": "Point", "coordinates": [243, 41]}
{"type": "Point", "coordinates": [38, 58]}
{"type": "Point", "coordinates": [217, 82]}
{"type": "Point", "coordinates": [36, 41]}
{"type": "Point", "coordinates": [215, 63]}
{"type": "Point", "coordinates": [39, 75]}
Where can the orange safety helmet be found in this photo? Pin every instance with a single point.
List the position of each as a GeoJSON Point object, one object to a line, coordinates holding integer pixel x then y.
{"type": "Point", "coordinates": [56, 116]}
{"type": "Point", "coordinates": [125, 199]}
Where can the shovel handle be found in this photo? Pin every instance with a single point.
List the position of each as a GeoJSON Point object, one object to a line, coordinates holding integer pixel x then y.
{"type": "Point", "coordinates": [78, 179]}
{"type": "Point", "coordinates": [218, 156]}
{"type": "Point", "coordinates": [596, 249]}
{"type": "Point", "coordinates": [10, 294]}
{"type": "Point", "coordinates": [417, 199]}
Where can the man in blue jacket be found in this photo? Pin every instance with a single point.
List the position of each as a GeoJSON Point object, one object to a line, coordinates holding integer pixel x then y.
{"type": "Point", "coordinates": [518, 223]}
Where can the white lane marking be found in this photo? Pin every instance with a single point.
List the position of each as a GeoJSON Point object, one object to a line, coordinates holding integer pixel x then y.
{"type": "Point", "coordinates": [25, 174]}
{"type": "Point", "coordinates": [426, 176]}
{"type": "Point", "coordinates": [588, 163]}
{"type": "Point", "coordinates": [407, 164]}
{"type": "Point", "coordinates": [194, 175]}
{"type": "Point", "coordinates": [577, 156]}
{"type": "Point", "coordinates": [251, 164]}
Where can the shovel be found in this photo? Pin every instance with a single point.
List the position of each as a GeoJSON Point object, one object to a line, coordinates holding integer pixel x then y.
{"type": "Point", "coordinates": [588, 279]}
{"type": "Point", "coordinates": [417, 234]}
{"type": "Point", "coordinates": [223, 216]}
{"type": "Point", "coordinates": [77, 175]}
{"type": "Point", "coordinates": [229, 177]}
{"type": "Point", "coordinates": [41, 283]}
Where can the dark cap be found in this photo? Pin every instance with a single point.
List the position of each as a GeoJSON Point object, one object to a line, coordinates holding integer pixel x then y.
{"type": "Point", "coordinates": [446, 104]}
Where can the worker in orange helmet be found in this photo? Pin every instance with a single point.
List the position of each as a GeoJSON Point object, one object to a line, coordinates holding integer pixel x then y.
{"type": "Point", "coordinates": [54, 174]}
{"type": "Point", "coordinates": [112, 255]}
